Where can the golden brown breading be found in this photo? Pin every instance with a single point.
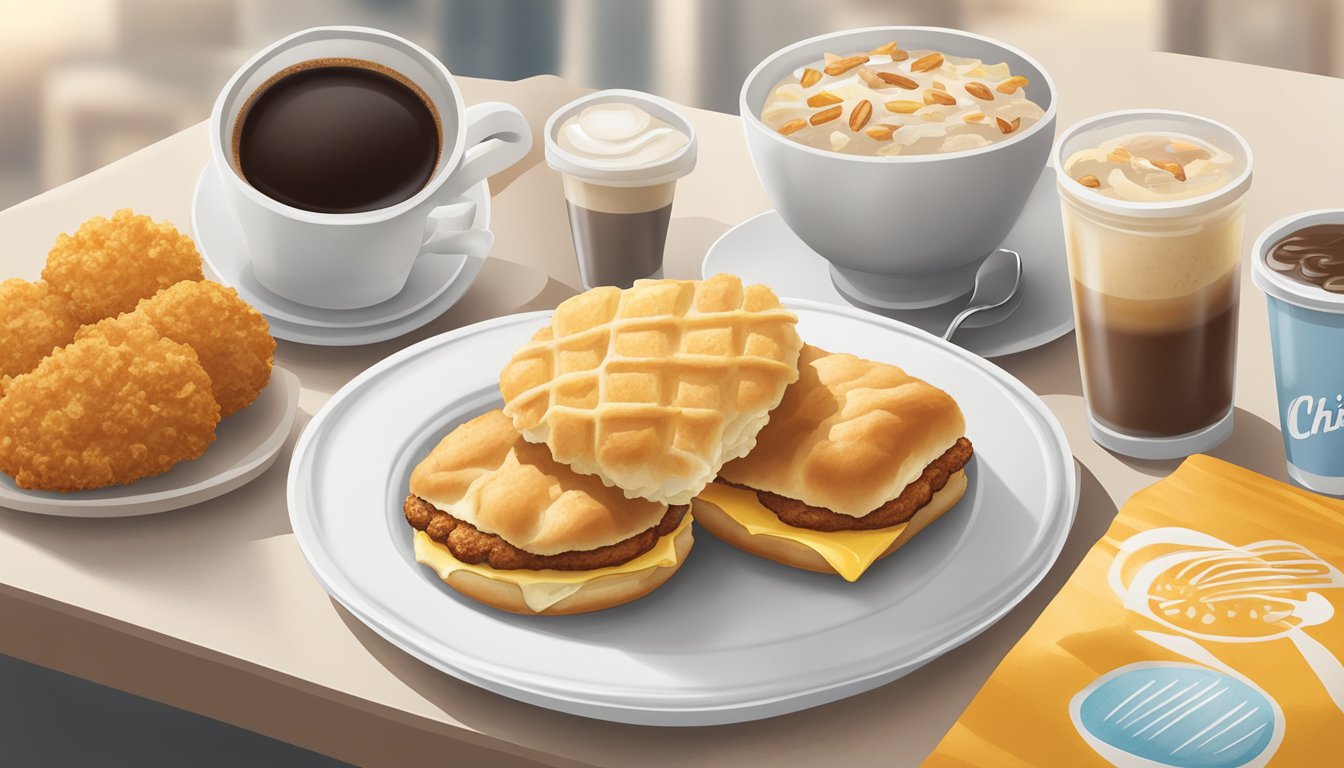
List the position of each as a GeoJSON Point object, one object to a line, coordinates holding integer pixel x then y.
{"type": "Point", "coordinates": [34, 320]}
{"type": "Point", "coordinates": [471, 545]}
{"type": "Point", "coordinates": [231, 338]}
{"type": "Point", "coordinates": [893, 512]}
{"type": "Point", "coordinates": [115, 330]}
{"type": "Point", "coordinates": [108, 265]}
{"type": "Point", "coordinates": [96, 414]}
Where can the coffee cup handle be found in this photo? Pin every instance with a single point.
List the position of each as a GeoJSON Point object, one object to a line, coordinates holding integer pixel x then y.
{"type": "Point", "coordinates": [473, 243]}
{"type": "Point", "coordinates": [496, 136]}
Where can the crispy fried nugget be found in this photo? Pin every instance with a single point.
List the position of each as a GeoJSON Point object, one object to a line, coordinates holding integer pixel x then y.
{"type": "Point", "coordinates": [231, 338]}
{"type": "Point", "coordinates": [109, 265]}
{"type": "Point", "coordinates": [96, 414]}
{"type": "Point", "coordinates": [34, 320]}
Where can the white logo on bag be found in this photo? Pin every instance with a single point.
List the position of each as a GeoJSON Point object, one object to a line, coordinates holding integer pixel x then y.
{"type": "Point", "coordinates": [1322, 420]}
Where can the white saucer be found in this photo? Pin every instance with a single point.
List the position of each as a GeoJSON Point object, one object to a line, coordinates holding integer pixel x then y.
{"type": "Point", "coordinates": [764, 250]}
{"type": "Point", "coordinates": [437, 281]}
{"type": "Point", "coordinates": [246, 444]}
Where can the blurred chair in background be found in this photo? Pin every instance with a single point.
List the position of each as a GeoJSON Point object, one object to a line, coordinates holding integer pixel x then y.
{"type": "Point", "coordinates": [1287, 34]}
{"type": "Point", "coordinates": [153, 82]}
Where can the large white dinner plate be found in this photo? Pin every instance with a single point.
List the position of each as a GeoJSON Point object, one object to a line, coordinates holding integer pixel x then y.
{"type": "Point", "coordinates": [730, 637]}
{"type": "Point", "coordinates": [246, 444]}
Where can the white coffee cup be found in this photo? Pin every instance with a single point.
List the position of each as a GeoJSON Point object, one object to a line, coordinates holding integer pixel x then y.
{"type": "Point", "coordinates": [352, 260]}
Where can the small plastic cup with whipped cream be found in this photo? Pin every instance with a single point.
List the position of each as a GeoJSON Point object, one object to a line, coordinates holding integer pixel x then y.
{"type": "Point", "coordinates": [1154, 208]}
{"type": "Point", "coordinates": [620, 153]}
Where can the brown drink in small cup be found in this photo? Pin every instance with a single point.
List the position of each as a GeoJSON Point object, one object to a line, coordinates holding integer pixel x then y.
{"type": "Point", "coordinates": [620, 154]}
{"type": "Point", "coordinates": [619, 233]}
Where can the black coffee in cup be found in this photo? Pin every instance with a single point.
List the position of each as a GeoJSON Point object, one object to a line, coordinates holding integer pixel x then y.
{"type": "Point", "coordinates": [338, 135]}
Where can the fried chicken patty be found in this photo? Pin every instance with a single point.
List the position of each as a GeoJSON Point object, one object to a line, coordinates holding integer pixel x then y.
{"type": "Point", "coordinates": [94, 414]}
{"type": "Point", "coordinates": [231, 338]}
{"type": "Point", "coordinates": [894, 512]}
{"type": "Point", "coordinates": [471, 545]}
{"type": "Point", "coordinates": [34, 320]}
{"type": "Point", "coordinates": [108, 265]}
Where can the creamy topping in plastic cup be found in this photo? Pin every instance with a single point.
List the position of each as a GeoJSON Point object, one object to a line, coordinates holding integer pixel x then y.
{"type": "Point", "coordinates": [621, 138]}
{"type": "Point", "coordinates": [1152, 167]}
{"type": "Point", "coordinates": [1130, 164]}
{"type": "Point", "coordinates": [619, 135]}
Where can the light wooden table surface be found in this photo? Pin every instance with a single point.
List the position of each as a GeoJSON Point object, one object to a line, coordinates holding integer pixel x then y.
{"type": "Point", "coordinates": [212, 608]}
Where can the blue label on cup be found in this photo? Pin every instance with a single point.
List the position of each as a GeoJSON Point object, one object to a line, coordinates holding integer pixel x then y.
{"type": "Point", "coordinates": [1309, 375]}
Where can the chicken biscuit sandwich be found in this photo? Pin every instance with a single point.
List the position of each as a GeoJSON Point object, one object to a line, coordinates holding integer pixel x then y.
{"type": "Point", "coordinates": [502, 522]}
{"type": "Point", "coordinates": [857, 459]}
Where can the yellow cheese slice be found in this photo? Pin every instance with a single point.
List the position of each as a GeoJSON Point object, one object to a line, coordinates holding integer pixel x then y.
{"type": "Point", "coordinates": [848, 552]}
{"type": "Point", "coordinates": [544, 588]}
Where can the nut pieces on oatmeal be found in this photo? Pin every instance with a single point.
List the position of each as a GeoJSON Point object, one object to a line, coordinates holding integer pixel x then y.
{"type": "Point", "coordinates": [946, 104]}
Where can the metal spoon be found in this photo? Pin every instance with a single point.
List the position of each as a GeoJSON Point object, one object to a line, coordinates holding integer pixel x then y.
{"type": "Point", "coordinates": [997, 283]}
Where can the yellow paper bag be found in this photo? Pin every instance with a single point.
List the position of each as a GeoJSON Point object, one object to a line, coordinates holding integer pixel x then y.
{"type": "Point", "coordinates": [1200, 632]}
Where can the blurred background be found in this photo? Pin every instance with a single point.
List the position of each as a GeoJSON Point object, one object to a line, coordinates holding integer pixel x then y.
{"type": "Point", "coordinates": [84, 82]}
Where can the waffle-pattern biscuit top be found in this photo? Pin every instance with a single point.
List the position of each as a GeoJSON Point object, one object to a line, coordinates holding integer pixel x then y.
{"type": "Point", "coordinates": [850, 435]}
{"type": "Point", "coordinates": [654, 387]}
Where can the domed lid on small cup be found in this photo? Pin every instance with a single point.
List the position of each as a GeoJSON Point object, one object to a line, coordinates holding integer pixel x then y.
{"type": "Point", "coordinates": [618, 127]}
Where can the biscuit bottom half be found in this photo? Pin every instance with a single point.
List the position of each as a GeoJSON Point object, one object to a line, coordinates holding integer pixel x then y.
{"type": "Point", "coordinates": [818, 539]}
{"type": "Point", "coordinates": [465, 559]}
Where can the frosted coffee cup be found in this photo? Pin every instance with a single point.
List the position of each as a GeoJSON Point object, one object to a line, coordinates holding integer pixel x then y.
{"type": "Point", "coordinates": [1154, 210]}
{"type": "Point", "coordinates": [620, 154]}
{"type": "Point", "coordinates": [1299, 264]}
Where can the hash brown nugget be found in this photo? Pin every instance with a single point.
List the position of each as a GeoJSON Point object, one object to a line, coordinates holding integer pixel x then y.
{"type": "Point", "coordinates": [34, 320]}
{"type": "Point", "coordinates": [96, 414]}
{"type": "Point", "coordinates": [231, 338]}
{"type": "Point", "coordinates": [109, 265]}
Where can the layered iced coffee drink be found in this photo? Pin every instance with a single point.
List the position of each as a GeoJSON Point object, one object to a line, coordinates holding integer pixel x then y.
{"type": "Point", "coordinates": [1154, 208]}
{"type": "Point", "coordinates": [620, 154]}
{"type": "Point", "coordinates": [890, 101]}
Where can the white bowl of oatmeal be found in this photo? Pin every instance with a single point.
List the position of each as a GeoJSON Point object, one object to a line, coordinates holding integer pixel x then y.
{"type": "Point", "coordinates": [903, 155]}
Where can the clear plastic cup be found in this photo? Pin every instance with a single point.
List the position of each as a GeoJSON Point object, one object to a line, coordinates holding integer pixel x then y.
{"type": "Point", "coordinates": [1155, 293]}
